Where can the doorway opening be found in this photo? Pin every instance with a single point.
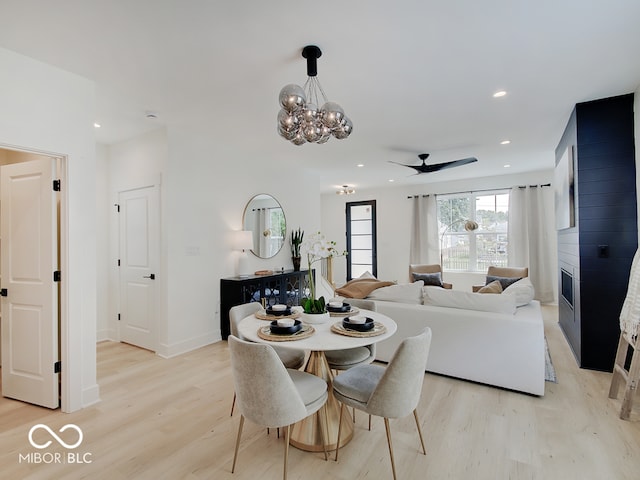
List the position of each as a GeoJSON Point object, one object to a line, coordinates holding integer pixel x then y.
{"type": "Point", "coordinates": [33, 257]}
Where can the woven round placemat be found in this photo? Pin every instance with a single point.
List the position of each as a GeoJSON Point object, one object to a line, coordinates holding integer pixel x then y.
{"type": "Point", "coordinates": [265, 334]}
{"type": "Point", "coordinates": [378, 329]}
{"type": "Point", "coordinates": [353, 311]}
{"type": "Point", "coordinates": [262, 315]}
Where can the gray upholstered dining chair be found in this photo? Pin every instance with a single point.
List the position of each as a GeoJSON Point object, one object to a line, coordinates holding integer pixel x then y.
{"type": "Point", "coordinates": [269, 394]}
{"type": "Point", "coordinates": [391, 392]}
{"type": "Point", "coordinates": [291, 358]}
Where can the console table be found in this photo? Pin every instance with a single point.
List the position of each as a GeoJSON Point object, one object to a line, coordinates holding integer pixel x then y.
{"type": "Point", "coordinates": [286, 287]}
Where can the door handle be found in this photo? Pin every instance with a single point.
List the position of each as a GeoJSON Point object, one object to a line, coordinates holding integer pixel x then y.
{"type": "Point", "coordinates": [3, 292]}
{"type": "Point", "coordinates": [152, 276]}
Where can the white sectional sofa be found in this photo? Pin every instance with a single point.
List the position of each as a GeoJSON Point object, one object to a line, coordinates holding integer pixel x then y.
{"type": "Point", "coordinates": [503, 347]}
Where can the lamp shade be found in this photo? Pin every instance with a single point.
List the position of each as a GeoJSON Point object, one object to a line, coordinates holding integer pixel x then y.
{"type": "Point", "coordinates": [244, 240]}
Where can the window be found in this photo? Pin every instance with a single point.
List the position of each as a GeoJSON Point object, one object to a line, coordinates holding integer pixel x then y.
{"type": "Point", "coordinates": [361, 239]}
{"type": "Point", "coordinates": [473, 250]}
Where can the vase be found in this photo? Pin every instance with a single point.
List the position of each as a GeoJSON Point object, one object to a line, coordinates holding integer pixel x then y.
{"type": "Point", "coordinates": [315, 318]}
{"type": "Point", "coordinates": [296, 264]}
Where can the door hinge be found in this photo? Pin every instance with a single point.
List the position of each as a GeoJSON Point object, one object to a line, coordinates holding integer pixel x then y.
{"type": "Point", "coordinates": [56, 276]}
{"type": "Point", "coordinates": [56, 185]}
{"type": "Point", "coordinates": [57, 367]}
{"type": "Point", "coordinates": [118, 317]}
{"type": "Point", "coordinates": [118, 262]}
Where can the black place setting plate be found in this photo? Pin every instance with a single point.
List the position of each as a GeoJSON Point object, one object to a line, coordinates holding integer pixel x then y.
{"type": "Point", "coordinates": [344, 308]}
{"type": "Point", "coordinates": [276, 329]}
{"type": "Point", "coordinates": [360, 327]}
{"type": "Point", "coordinates": [278, 313]}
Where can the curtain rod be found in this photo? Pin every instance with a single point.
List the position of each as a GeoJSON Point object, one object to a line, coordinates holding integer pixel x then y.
{"type": "Point", "coordinates": [480, 191]}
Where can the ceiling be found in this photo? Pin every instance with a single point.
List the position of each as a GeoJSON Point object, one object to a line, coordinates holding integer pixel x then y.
{"type": "Point", "coordinates": [413, 75]}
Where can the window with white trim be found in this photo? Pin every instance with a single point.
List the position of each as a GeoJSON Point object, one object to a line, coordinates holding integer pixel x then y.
{"type": "Point", "coordinates": [464, 249]}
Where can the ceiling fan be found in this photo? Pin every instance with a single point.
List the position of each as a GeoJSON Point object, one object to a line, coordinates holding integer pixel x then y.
{"type": "Point", "coordinates": [435, 167]}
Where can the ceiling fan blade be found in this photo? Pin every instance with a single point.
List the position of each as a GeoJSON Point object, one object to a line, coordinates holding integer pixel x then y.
{"type": "Point", "coordinates": [436, 167]}
{"type": "Point", "coordinates": [418, 168]}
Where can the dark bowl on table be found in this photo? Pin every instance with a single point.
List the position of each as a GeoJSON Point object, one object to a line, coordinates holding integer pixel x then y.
{"type": "Point", "coordinates": [360, 327]}
{"type": "Point", "coordinates": [278, 330]}
{"type": "Point", "coordinates": [278, 313]}
{"type": "Point", "coordinates": [344, 308]}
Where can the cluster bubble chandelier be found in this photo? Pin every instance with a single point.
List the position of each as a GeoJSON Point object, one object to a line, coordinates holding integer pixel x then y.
{"type": "Point", "coordinates": [300, 120]}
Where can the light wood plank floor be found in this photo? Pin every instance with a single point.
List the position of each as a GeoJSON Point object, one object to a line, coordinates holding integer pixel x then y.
{"type": "Point", "coordinates": [169, 419]}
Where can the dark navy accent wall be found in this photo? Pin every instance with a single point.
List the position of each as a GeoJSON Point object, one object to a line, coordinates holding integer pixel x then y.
{"type": "Point", "coordinates": [598, 251]}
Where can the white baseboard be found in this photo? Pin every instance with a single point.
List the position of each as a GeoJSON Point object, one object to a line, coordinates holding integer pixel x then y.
{"type": "Point", "coordinates": [91, 395]}
{"type": "Point", "coordinates": [168, 351]}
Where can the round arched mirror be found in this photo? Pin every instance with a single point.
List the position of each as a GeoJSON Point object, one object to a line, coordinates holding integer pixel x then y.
{"type": "Point", "coordinates": [264, 216]}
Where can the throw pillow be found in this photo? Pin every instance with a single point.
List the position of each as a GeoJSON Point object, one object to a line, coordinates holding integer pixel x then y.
{"type": "Point", "coordinates": [522, 290]}
{"type": "Point", "coordinates": [493, 287]}
{"type": "Point", "coordinates": [367, 274]}
{"type": "Point", "coordinates": [504, 281]}
{"type": "Point", "coordinates": [401, 293]}
{"type": "Point", "coordinates": [434, 279]}
{"type": "Point", "coordinates": [441, 297]}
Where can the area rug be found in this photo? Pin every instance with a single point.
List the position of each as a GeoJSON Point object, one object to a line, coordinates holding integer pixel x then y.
{"type": "Point", "coordinates": [549, 371]}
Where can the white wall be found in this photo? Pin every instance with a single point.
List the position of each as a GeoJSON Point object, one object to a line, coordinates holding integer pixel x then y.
{"type": "Point", "coordinates": [204, 190]}
{"type": "Point", "coordinates": [45, 109]}
{"type": "Point", "coordinates": [394, 222]}
{"type": "Point", "coordinates": [208, 185]}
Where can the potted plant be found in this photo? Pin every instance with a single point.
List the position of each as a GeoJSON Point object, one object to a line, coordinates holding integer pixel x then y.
{"type": "Point", "coordinates": [316, 248]}
{"type": "Point", "coordinates": [296, 240]}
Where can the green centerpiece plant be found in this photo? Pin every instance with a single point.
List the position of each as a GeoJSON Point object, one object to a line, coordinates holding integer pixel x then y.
{"type": "Point", "coordinates": [316, 248]}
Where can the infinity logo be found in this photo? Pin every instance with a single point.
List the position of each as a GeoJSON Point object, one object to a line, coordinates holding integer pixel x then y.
{"type": "Point", "coordinates": [53, 434]}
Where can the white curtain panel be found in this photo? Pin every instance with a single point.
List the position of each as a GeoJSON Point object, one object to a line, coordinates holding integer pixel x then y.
{"type": "Point", "coordinates": [531, 238]}
{"type": "Point", "coordinates": [424, 247]}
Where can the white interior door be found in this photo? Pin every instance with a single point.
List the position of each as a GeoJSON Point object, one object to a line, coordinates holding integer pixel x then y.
{"type": "Point", "coordinates": [29, 257]}
{"type": "Point", "coordinates": [139, 251]}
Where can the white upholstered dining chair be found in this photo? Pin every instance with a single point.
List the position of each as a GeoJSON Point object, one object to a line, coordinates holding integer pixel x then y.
{"type": "Point", "coordinates": [291, 358]}
{"type": "Point", "coordinates": [269, 394]}
{"type": "Point", "coordinates": [391, 392]}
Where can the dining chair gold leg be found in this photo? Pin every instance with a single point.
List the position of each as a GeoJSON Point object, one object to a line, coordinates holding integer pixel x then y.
{"type": "Point", "coordinates": [415, 415]}
{"type": "Point", "coordinates": [324, 431]}
{"type": "Point", "coordinates": [235, 454]}
{"type": "Point", "coordinates": [287, 429]}
{"type": "Point", "coordinates": [339, 430]}
{"type": "Point", "coordinates": [233, 404]}
{"type": "Point", "coordinates": [393, 463]}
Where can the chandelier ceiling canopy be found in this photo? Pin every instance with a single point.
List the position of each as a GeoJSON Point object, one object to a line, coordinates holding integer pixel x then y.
{"type": "Point", "coordinates": [300, 120]}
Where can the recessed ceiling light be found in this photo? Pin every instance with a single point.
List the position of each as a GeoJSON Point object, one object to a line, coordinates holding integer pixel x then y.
{"type": "Point", "coordinates": [500, 93]}
{"type": "Point", "coordinates": [96, 125]}
{"type": "Point", "coordinates": [505, 142]}
{"type": "Point", "coordinates": [360, 165]}
{"type": "Point", "coordinates": [391, 180]}
{"type": "Point", "coordinates": [507, 165]}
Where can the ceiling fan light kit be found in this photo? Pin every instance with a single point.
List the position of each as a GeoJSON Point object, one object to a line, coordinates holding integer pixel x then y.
{"type": "Point", "coordinates": [300, 120]}
{"type": "Point", "coordinates": [346, 190]}
{"type": "Point", "coordinates": [436, 167]}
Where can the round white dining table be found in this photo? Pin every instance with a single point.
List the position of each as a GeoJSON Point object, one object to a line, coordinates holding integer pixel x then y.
{"type": "Point", "coordinates": [320, 431]}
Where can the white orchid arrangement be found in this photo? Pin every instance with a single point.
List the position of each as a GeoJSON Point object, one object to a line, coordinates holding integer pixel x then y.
{"type": "Point", "coordinates": [316, 248]}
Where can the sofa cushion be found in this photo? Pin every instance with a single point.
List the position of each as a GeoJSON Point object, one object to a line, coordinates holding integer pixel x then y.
{"type": "Point", "coordinates": [504, 281]}
{"type": "Point", "coordinates": [493, 287]}
{"type": "Point", "coordinates": [469, 300]}
{"type": "Point", "coordinates": [434, 279]}
{"type": "Point", "coordinates": [402, 293]}
{"type": "Point", "coordinates": [522, 290]}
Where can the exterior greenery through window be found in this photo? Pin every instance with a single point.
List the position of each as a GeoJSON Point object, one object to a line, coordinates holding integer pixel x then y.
{"type": "Point", "coordinates": [476, 250]}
